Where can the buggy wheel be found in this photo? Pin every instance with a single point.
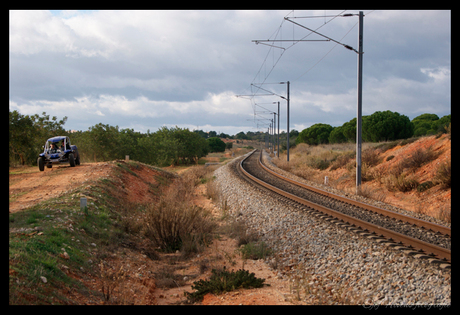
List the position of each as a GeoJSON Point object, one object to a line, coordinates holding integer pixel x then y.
{"type": "Point", "coordinates": [41, 164]}
{"type": "Point", "coordinates": [71, 160]}
{"type": "Point", "coordinates": [77, 160]}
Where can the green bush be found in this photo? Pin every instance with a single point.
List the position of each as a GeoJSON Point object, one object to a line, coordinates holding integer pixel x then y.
{"type": "Point", "coordinates": [425, 186]}
{"type": "Point", "coordinates": [216, 144]}
{"type": "Point", "coordinates": [224, 281]}
{"type": "Point", "coordinates": [316, 134]}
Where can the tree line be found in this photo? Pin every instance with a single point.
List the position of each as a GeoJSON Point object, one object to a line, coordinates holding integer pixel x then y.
{"type": "Point", "coordinates": [167, 146]}
{"type": "Point", "coordinates": [102, 142]}
{"type": "Point", "coordinates": [380, 126]}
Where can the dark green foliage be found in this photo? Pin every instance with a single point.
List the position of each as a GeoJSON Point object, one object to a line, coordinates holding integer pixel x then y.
{"type": "Point", "coordinates": [430, 124]}
{"type": "Point", "coordinates": [224, 281]}
{"type": "Point", "coordinates": [386, 126]}
{"type": "Point", "coordinates": [349, 130]}
{"type": "Point", "coordinates": [101, 142]}
{"type": "Point", "coordinates": [27, 135]}
{"type": "Point", "coordinates": [216, 144]}
{"type": "Point", "coordinates": [425, 186]}
{"type": "Point", "coordinates": [337, 136]}
{"type": "Point", "coordinates": [316, 134]}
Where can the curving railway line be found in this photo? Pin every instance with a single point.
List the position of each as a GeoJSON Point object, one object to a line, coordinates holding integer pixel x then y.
{"type": "Point", "coordinates": [417, 237]}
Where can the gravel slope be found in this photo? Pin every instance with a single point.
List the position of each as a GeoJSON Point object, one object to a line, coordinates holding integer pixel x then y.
{"type": "Point", "coordinates": [328, 264]}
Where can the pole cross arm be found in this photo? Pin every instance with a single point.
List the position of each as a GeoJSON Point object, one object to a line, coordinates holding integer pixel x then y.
{"type": "Point", "coordinates": [346, 46]}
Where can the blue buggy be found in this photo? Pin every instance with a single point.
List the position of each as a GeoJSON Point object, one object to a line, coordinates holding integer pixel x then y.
{"type": "Point", "coordinates": [58, 150]}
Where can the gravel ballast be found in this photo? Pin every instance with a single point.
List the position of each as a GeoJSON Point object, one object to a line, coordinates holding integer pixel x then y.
{"type": "Point", "coordinates": [326, 263]}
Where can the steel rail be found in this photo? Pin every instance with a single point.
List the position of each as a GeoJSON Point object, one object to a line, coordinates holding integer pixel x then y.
{"type": "Point", "coordinates": [429, 249]}
{"type": "Point", "coordinates": [391, 214]}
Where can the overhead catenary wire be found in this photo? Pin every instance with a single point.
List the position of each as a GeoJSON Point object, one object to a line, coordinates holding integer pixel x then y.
{"type": "Point", "coordinates": [311, 68]}
{"type": "Point", "coordinates": [278, 39]}
{"type": "Point", "coordinates": [287, 48]}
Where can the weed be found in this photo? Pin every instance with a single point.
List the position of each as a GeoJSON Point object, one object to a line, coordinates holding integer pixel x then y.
{"type": "Point", "coordinates": [255, 251]}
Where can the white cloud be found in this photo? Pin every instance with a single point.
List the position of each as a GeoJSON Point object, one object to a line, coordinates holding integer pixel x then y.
{"type": "Point", "coordinates": [440, 74]}
{"type": "Point", "coordinates": [148, 68]}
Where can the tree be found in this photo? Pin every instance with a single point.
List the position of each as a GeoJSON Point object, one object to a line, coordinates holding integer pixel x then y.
{"type": "Point", "coordinates": [21, 131]}
{"type": "Point", "coordinates": [385, 126]}
{"type": "Point", "coordinates": [27, 135]}
{"type": "Point", "coordinates": [293, 133]}
{"type": "Point", "coordinates": [349, 130]}
{"type": "Point", "coordinates": [337, 136]}
{"type": "Point", "coordinates": [216, 144]}
{"type": "Point", "coordinates": [423, 124]}
{"type": "Point", "coordinates": [104, 144]}
{"type": "Point", "coordinates": [316, 134]}
{"type": "Point", "coordinates": [241, 135]}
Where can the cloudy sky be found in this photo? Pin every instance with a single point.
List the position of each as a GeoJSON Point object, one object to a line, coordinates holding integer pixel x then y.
{"type": "Point", "coordinates": [200, 69]}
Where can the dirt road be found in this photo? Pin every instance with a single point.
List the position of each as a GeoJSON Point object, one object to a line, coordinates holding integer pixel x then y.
{"type": "Point", "coordinates": [29, 186]}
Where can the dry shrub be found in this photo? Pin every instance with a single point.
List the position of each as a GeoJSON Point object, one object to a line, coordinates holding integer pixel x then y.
{"type": "Point", "coordinates": [174, 223]}
{"type": "Point", "coordinates": [371, 157]}
{"type": "Point", "coordinates": [118, 288]}
{"type": "Point", "coordinates": [367, 173]}
{"type": "Point", "coordinates": [283, 164]}
{"type": "Point", "coordinates": [304, 172]}
{"type": "Point", "coordinates": [418, 158]}
{"type": "Point", "coordinates": [342, 160]}
{"type": "Point", "coordinates": [444, 213]}
{"type": "Point", "coordinates": [375, 194]}
{"type": "Point", "coordinates": [212, 191]}
{"type": "Point", "coordinates": [402, 182]}
{"type": "Point", "coordinates": [303, 148]}
{"type": "Point", "coordinates": [443, 174]}
{"type": "Point", "coordinates": [239, 231]}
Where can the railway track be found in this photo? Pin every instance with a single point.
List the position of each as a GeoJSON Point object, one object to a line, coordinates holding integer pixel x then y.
{"type": "Point", "coordinates": [417, 237]}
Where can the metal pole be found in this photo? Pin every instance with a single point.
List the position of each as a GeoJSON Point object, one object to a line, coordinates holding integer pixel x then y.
{"type": "Point", "coordinates": [278, 152]}
{"type": "Point", "coordinates": [274, 129]}
{"type": "Point", "coordinates": [270, 139]}
{"type": "Point", "coordinates": [288, 121]}
{"type": "Point", "coordinates": [360, 103]}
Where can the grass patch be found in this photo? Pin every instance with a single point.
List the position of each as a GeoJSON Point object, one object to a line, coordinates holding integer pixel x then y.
{"type": "Point", "coordinates": [54, 244]}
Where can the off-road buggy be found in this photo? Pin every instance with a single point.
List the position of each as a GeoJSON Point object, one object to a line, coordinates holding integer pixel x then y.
{"type": "Point", "coordinates": [58, 150]}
